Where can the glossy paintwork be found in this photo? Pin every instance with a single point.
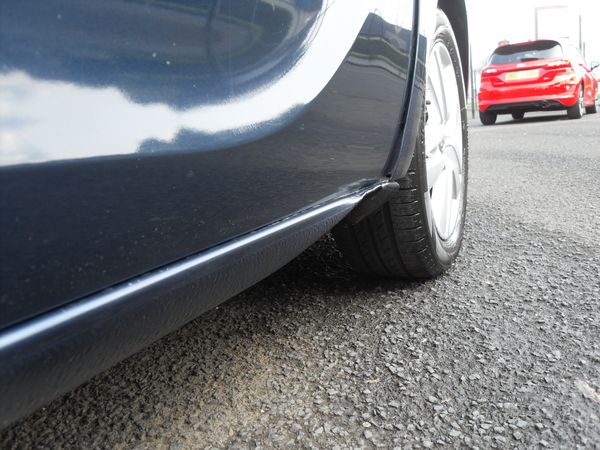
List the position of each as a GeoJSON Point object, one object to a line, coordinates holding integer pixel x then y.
{"type": "Point", "coordinates": [559, 78]}
{"type": "Point", "coordinates": [136, 133]}
{"type": "Point", "coordinates": [47, 356]}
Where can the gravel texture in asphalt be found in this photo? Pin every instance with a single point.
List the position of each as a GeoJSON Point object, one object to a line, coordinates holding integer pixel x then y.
{"type": "Point", "coordinates": [503, 351]}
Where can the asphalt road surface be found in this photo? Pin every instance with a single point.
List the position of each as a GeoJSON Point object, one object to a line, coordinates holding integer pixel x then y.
{"type": "Point", "coordinates": [503, 351]}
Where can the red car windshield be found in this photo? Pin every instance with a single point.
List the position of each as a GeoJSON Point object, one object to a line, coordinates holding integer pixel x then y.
{"type": "Point", "coordinates": [533, 51]}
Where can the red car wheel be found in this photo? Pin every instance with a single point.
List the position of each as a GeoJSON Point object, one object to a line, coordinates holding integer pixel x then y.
{"type": "Point", "coordinates": [576, 111]}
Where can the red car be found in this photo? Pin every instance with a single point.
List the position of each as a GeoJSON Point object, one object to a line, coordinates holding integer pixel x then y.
{"type": "Point", "coordinates": [542, 75]}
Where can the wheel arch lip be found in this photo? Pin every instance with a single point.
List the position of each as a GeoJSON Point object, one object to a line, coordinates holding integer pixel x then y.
{"type": "Point", "coordinates": [424, 23]}
{"type": "Point", "coordinates": [403, 146]}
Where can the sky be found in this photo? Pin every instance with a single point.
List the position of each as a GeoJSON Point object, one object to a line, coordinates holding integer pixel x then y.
{"type": "Point", "coordinates": [514, 20]}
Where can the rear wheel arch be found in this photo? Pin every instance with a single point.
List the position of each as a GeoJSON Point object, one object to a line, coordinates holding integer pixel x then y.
{"type": "Point", "coordinates": [418, 231]}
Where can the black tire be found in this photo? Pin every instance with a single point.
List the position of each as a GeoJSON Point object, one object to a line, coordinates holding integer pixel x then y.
{"type": "Point", "coordinates": [576, 111]}
{"type": "Point", "coordinates": [487, 118]}
{"type": "Point", "coordinates": [592, 109]}
{"type": "Point", "coordinates": [402, 238]}
{"type": "Point", "coordinates": [518, 115]}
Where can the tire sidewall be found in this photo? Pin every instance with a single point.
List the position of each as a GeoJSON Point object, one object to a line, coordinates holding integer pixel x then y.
{"type": "Point", "coordinates": [444, 251]}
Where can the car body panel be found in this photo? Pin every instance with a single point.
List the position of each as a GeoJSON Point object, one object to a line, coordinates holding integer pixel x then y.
{"type": "Point", "coordinates": [548, 83]}
{"type": "Point", "coordinates": [157, 158]}
{"type": "Point", "coordinates": [43, 358]}
{"type": "Point", "coordinates": [165, 120]}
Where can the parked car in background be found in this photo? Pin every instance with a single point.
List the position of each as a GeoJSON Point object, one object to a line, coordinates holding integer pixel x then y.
{"type": "Point", "coordinates": [542, 75]}
{"type": "Point", "coordinates": [157, 158]}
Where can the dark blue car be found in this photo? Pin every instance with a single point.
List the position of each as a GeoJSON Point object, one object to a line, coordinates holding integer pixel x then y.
{"type": "Point", "coordinates": [158, 157]}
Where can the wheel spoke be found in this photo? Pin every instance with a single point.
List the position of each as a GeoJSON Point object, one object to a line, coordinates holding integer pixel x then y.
{"type": "Point", "coordinates": [455, 169]}
{"type": "Point", "coordinates": [436, 163]}
{"type": "Point", "coordinates": [443, 142]}
{"type": "Point", "coordinates": [435, 97]}
{"type": "Point", "coordinates": [441, 202]}
{"type": "Point", "coordinates": [453, 149]}
{"type": "Point", "coordinates": [448, 210]}
{"type": "Point", "coordinates": [434, 137]}
{"type": "Point", "coordinates": [439, 76]}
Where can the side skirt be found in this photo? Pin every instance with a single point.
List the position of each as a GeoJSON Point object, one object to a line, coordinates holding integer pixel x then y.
{"type": "Point", "coordinates": [52, 354]}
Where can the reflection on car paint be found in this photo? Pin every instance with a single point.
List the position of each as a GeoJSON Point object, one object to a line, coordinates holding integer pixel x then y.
{"type": "Point", "coordinates": [213, 80]}
{"type": "Point", "coordinates": [119, 186]}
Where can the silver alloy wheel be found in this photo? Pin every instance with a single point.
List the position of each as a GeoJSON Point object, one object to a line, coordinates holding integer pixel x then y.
{"type": "Point", "coordinates": [443, 141]}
